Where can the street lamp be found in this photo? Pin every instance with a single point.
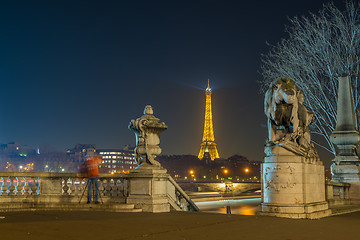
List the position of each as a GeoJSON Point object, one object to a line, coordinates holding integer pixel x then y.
{"type": "Point", "coordinates": [192, 173]}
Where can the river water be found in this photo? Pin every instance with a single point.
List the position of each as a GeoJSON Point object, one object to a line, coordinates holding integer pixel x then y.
{"type": "Point", "coordinates": [246, 206]}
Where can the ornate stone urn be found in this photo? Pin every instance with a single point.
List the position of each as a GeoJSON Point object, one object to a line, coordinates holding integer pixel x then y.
{"type": "Point", "coordinates": [148, 182]}
{"type": "Point", "coordinates": [147, 130]}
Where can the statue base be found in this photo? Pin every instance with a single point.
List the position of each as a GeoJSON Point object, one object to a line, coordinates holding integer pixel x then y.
{"type": "Point", "coordinates": [146, 167]}
{"type": "Point", "coordinates": [297, 211]}
{"type": "Point", "coordinates": [148, 189]}
{"type": "Point", "coordinates": [292, 186]}
{"type": "Point", "coordinates": [345, 169]}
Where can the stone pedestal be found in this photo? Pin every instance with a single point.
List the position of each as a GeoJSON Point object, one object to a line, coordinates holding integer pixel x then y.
{"type": "Point", "coordinates": [292, 186]}
{"type": "Point", "coordinates": [345, 169]}
{"type": "Point", "coordinates": [147, 189]}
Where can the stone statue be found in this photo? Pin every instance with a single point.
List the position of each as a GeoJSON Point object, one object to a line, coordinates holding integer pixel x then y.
{"type": "Point", "coordinates": [147, 130]}
{"type": "Point", "coordinates": [288, 118]}
{"type": "Point", "coordinates": [293, 176]}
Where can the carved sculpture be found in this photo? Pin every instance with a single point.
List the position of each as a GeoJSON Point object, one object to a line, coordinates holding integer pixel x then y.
{"type": "Point", "coordinates": [293, 179]}
{"type": "Point", "coordinates": [288, 118]}
{"type": "Point", "coordinates": [147, 130]}
{"type": "Point", "coordinates": [285, 177]}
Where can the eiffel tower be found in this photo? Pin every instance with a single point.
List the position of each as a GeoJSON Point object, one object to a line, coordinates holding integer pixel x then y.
{"type": "Point", "coordinates": [208, 145]}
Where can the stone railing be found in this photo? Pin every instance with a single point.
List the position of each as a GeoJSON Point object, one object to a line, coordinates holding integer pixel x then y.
{"type": "Point", "coordinates": [178, 199]}
{"type": "Point", "coordinates": [14, 184]}
{"type": "Point", "coordinates": [337, 193]}
{"type": "Point", "coordinates": [112, 188]}
{"type": "Point", "coordinates": [61, 190]}
{"type": "Point", "coordinates": [153, 190]}
{"type": "Point", "coordinates": [33, 190]}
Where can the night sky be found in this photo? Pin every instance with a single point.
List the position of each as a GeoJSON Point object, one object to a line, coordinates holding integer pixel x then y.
{"type": "Point", "coordinates": [77, 72]}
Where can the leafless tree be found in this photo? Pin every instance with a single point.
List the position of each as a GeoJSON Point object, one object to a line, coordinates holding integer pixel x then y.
{"type": "Point", "coordinates": [319, 48]}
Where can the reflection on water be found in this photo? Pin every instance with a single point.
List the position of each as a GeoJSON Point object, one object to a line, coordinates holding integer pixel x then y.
{"type": "Point", "coordinates": [238, 206]}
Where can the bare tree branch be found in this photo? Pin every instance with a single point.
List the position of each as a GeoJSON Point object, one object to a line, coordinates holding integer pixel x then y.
{"type": "Point", "coordinates": [319, 48]}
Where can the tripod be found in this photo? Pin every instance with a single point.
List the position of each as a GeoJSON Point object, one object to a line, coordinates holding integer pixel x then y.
{"type": "Point", "coordinates": [94, 190]}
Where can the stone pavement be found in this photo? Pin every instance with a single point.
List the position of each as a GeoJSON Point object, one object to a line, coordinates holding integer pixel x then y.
{"type": "Point", "coordinates": [77, 225]}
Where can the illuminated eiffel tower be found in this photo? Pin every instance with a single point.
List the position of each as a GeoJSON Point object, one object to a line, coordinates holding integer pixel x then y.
{"type": "Point", "coordinates": [208, 145]}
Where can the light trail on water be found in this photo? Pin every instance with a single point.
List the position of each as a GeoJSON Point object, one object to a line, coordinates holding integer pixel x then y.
{"type": "Point", "coordinates": [247, 206]}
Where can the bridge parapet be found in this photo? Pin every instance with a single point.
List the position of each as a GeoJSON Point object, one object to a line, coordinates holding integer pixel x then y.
{"type": "Point", "coordinates": [41, 190]}
{"type": "Point", "coordinates": [179, 200]}
{"type": "Point", "coordinates": [19, 191]}
{"type": "Point", "coordinates": [337, 193]}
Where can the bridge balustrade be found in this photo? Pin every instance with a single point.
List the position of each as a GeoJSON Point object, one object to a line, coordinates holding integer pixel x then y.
{"type": "Point", "coordinates": [178, 199]}
{"type": "Point", "coordinates": [337, 193]}
{"type": "Point", "coordinates": [21, 190]}
{"type": "Point", "coordinates": [27, 190]}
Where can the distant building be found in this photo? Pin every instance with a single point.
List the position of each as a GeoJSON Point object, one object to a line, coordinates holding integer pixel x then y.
{"type": "Point", "coordinates": [80, 151]}
{"type": "Point", "coordinates": [117, 160]}
{"type": "Point", "coordinates": [55, 162]}
{"type": "Point", "coordinates": [16, 150]}
{"type": "Point", "coordinates": [113, 160]}
{"type": "Point", "coordinates": [15, 157]}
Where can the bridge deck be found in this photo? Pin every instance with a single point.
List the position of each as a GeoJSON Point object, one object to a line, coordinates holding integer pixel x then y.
{"type": "Point", "coordinates": [175, 225]}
